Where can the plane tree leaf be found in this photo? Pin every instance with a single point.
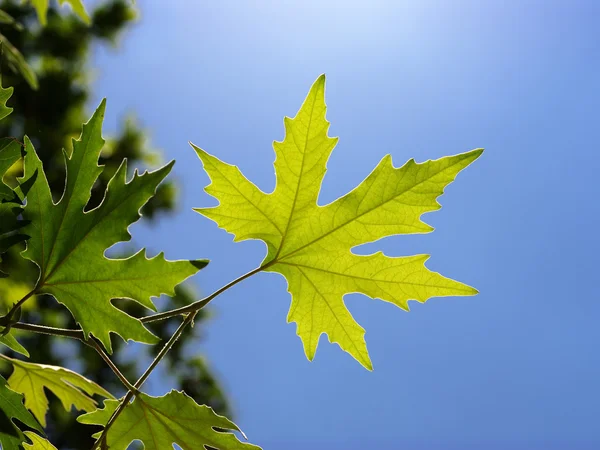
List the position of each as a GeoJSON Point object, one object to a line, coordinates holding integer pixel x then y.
{"type": "Point", "coordinates": [37, 442]}
{"type": "Point", "coordinates": [68, 243]}
{"type": "Point", "coordinates": [311, 245]}
{"type": "Point", "coordinates": [11, 408]}
{"type": "Point", "coordinates": [71, 388]}
{"type": "Point", "coordinates": [160, 422]}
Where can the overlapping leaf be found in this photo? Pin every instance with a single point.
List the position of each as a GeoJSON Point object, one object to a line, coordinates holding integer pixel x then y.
{"type": "Point", "coordinates": [68, 244]}
{"type": "Point", "coordinates": [38, 442]}
{"type": "Point", "coordinates": [11, 408]}
{"type": "Point", "coordinates": [71, 388]}
{"type": "Point", "coordinates": [160, 422]}
{"type": "Point", "coordinates": [310, 245]}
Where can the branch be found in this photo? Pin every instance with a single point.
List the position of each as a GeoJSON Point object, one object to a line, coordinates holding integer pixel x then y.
{"type": "Point", "coordinates": [6, 320]}
{"type": "Point", "coordinates": [79, 335]}
{"type": "Point", "coordinates": [63, 332]}
{"type": "Point", "coordinates": [197, 306]}
{"type": "Point", "coordinates": [191, 311]}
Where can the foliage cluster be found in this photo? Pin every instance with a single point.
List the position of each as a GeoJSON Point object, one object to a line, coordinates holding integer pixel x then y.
{"type": "Point", "coordinates": [309, 244]}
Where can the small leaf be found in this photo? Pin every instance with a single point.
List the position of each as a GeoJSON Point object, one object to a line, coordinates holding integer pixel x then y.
{"type": "Point", "coordinates": [10, 341]}
{"type": "Point", "coordinates": [71, 388]}
{"type": "Point", "coordinates": [37, 442]}
{"type": "Point", "coordinates": [160, 422]}
{"type": "Point", "coordinates": [311, 245]}
{"type": "Point", "coordinates": [68, 244]}
{"type": "Point", "coordinates": [11, 407]}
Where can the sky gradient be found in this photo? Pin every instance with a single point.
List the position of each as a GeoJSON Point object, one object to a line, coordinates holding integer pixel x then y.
{"type": "Point", "coordinates": [516, 366]}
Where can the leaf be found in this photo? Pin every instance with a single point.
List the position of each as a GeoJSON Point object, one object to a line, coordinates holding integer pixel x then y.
{"type": "Point", "coordinates": [11, 407]}
{"type": "Point", "coordinates": [41, 7]}
{"type": "Point", "coordinates": [68, 244]}
{"type": "Point", "coordinates": [38, 442]}
{"type": "Point", "coordinates": [160, 422]}
{"type": "Point", "coordinates": [10, 203]}
{"type": "Point", "coordinates": [71, 388]}
{"type": "Point", "coordinates": [17, 62]}
{"type": "Point", "coordinates": [310, 245]}
{"type": "Point", "coordinates": [5, 94]}
{"type": "Point", "coordinates": [10, 341]}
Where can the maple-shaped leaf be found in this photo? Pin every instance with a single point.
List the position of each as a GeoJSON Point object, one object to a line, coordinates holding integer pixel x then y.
{"type": "Point", "coordinates": [41, 8]}
{"type": "Point", "coordinates": [37, 442]}
{"type": "Point", "coordinates": [68, 243]}
{"type": "Point", "coordinates": [71, 388]}
{"type": "Point", "coordinates": [310, 245]}
{"type": "Point", "coordinates": [11, 408]}
{"type": "Point", "coordinates": [160, 422]}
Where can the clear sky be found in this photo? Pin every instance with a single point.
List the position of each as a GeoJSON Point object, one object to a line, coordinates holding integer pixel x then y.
{"type": "Point", "coordinates": [516, 366]}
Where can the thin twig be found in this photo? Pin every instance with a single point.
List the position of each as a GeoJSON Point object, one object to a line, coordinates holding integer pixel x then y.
{"type": "Point", "coordinates": [113, 367]}
{"type": "Point", "coordinates": [191, 311]}
{"type": "Point", "coordinates": [64, 332]}
{"type": "Point", "coordinates": [196, 306]}
{"type": "Point", "coordinates": [16, 306]}
{"type": "Point", "coordinates": [138, 384]}
{"type": "Point", "coordinates": [79, 335]}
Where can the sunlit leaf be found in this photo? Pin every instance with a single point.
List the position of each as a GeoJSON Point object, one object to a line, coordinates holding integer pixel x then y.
{"type": "Point", "coordinates": [160, 422]}
{"type": "Point", "coordinates": [68, 244]}
{"type": "Point", "coordinates": [11, 408]}
{"type": "Point", "coordinates": [311, 245]}
{"type": "Point", "coordinates": [71, 388]}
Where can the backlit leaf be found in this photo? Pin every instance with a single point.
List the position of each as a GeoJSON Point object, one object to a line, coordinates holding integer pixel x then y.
{"type": "Point", "coordinates": [12, 407]}
{"type": "Point", "coordinates": [160, 422]}
{"type": "Point", "coordinates": [71, 388]}
{"type": "Point", "coordinates": [37, 442]}
{"type": "Point", "coordinates": [68, 244]}
{"type": "Point", "coordinates": [310, 245]}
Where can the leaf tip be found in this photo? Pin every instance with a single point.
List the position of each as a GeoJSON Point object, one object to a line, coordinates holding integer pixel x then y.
{"type": "Point", "coordinates": [199, 263]}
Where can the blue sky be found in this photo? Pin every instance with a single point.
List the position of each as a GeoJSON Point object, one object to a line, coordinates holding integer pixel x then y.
{"type": "Point", "coordinates": [516, 366]}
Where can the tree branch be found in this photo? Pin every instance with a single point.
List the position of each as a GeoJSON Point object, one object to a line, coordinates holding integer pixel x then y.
{"type": "Point", "coordinates": [196, 306]}
{"type": "Point", "coordinates": [79, 335]}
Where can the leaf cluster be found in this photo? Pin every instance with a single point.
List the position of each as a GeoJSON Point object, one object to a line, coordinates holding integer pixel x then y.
{"type": "Point", "coordinates": [311, 245]}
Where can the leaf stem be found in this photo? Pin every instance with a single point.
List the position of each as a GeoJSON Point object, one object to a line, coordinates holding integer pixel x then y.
{"type": "Point", "coordinates": [74, 334]}
{"type": "Point", "coordinates": [78, 334]}
{"type": "Point", "coordinates": [198, 305]}
{"type": "Point", "coordinates": [191, 311]}
{"type": "Point", "coordinates": [9, 315]}
{"type": "Point", "coordinates": [138, 384]}
{"type": "Point", "coordinates": [112, 365]}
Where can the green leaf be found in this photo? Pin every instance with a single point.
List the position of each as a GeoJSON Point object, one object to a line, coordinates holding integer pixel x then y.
{"type": "Point", "coordinates": [68, 244]}
{"type": "Point", "coordinates": [41, 7]}
{"type": "Point", "coordinates": [311, 245]}
{"type": "Point", "coordinates": [38, 442]}
{"type": "Point", "coordinates": [17, 62]}
{"type": "Point", "coordinates": [5, 94]}
{"type": "Point", "coordinates": [10, 203]}
{"type": "Point", "coordinates": [160, 422]}
{"type": "Point", "coordinates": [10, 341]}
{"type": "Point", "coordinates": [71, 388]}
{"type": "Point", "coordinates": [11, 407]}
